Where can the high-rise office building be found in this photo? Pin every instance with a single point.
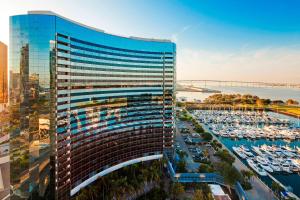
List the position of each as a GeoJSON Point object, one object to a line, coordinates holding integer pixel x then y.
{"type": "Point", "coordinates": [3, 73]}
{"type": "Point", "coordinates": [84, 103]}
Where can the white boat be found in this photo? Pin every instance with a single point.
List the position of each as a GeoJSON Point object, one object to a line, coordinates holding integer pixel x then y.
{"type": "Point", "coordinates": [256, 150]}
{"type": "Point", "coordinates": [240, 136]}
{"type": "Point", "coordinates": [294, 168]}
{"type": "Point", "coordinates": [266, 167]}
{"type": "Point", "coordinates": [246, 151]}
{"type": "Point", "coordinates": [298, 149]}
{"type": "Point", "coordinates": [261, 160]}
{"type": "Point", "coordinates": [238, 151]}
{"type": "Point", "coordinates": [252, 136]}
{"type": "Point", "coordinates": [275, 166]}
{"type": "Point", "coordinates": [256, 168]}
{"type": "Point", "coordinates": [286, 167]}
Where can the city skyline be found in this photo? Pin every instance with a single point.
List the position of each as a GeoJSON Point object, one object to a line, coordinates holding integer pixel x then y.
{"type": "Point", "coordinates": [257, 41]}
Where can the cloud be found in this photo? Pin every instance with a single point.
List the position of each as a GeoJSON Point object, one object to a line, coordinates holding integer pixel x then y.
{"type": "Point", "coordinates": [265, 64]}
{"type": "Point", "coordinates": [175, 36]}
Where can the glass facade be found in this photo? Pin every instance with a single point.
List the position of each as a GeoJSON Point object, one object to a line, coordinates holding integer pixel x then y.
{"type": "Point", "coordinates": [84, 103]}
{"type": "Point", "coordinates": [3, 74]}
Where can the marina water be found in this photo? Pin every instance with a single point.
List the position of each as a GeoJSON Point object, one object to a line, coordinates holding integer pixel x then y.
{"type": "Point", "coordinates": [288, 180]}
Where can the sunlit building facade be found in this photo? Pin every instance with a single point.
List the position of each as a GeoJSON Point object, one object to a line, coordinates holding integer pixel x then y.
{"type": "Point", "coordinates": [84, 102]}
{"type": "Point", "coordinates": [3, 73]}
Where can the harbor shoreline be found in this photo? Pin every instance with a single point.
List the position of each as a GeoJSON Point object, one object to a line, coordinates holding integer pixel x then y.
{"type": "Point", "coordinates": [238, 163]}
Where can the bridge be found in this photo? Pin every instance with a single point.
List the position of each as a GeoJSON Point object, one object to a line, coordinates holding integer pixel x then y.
{"type": "Point", "coordinates": [240, 83]}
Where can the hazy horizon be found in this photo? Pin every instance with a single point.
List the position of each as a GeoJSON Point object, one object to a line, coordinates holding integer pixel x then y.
{"type": "Point", "coordinates": [220, 40]}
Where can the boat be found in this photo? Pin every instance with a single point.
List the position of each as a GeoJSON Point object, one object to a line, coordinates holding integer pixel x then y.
{"type": "Point", "coordinates": [298, 149]}
{"type": "Point", "coordinates": [252, 136]}
{"type": "Point", "coordinates": [275, 166]}
{"type": "Point", "coordinates": [256, 168]}
{"type": "Point", "coordinates": [238, 151]}
{"type": "Point", "coordinates": [286, 167]}
{"type": "Point", "coordinates": [294, 168]}
{"type": "Point", "coordinates": [256, 150]}
{"type": "Point", "coordinates": [246, 151]}
{"type": "Point", "coordinates": [240, 136]}
{"type": "Point", "coordinates": [266, 167]}
{"type": "Point", "coordinates": [261, 160]}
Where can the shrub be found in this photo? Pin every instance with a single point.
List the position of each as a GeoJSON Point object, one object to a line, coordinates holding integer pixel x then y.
{"type": "Point", "coordinates": [205, 168]}
{"type": "Point", "coordinates": [207, 136]}
{"type": "Point", "coordinates": [246, 185]}
{"type": "Point", "coordinates": [225, 156]}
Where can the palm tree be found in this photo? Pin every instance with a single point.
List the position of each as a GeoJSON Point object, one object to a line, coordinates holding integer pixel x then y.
{"type": "Point", "coordinates": [177, 189]}
{"type": "Point", "coordinates": [205, 153]}
{"type": "Point", "coordinates": [83, 195]}
{"type": "Point", "coordinates": [247, 174]}
{"type": "Point", "coordinates": [198, 195]}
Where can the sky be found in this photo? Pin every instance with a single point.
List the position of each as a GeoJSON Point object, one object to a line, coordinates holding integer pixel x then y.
{"type": "Point", "coordinates": [221, 40]}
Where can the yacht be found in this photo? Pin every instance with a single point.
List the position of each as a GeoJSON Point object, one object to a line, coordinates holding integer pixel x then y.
{"type": "Point", "coordinates": [238, 151]}
{"type": "Point", "coordinates": [240, 136]}
{"type": "Point", "coordinates": [275, 166]}
{"type": "Point", "coordinates": [266, 167]}
{"type": "Point", "coordinates": [252, 136]}
{"type": "Point", "coordinates": [256, 168]}
{"type": "Point", "coordinates": [246, 151]}
{"type": "Point", "coordinates": [256, 150]}
{"type": "Point", "coordinates": [286, 167]}
{"type": "Point", "coordinates": [294, 168]}
{"type": "Point", "coordinates": [261, 160]}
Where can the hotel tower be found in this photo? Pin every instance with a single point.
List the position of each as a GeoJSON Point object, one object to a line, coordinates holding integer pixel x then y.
{"type": "Point", "coordinates": [84, 103]}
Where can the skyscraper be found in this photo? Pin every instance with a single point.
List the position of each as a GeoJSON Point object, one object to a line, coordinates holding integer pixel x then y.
{"type": "Point", "coordinates": [84, 103]}
{"type": "Point", "coordinates": [3, 73]}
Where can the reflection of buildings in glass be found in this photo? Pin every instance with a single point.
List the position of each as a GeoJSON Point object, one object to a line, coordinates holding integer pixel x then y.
{"type": "Point", "coordinates": [34, 86]}
{"type": "Point", "coordinates": [90, 103]}
{"type": "Point", "coordinates": [3, 73]}
{"type": "Point", "coordinates": [14, 91]}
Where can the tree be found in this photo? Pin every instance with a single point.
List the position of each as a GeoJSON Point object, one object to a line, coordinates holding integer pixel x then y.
{"type": "Point", "coordinates": [259, 102]}
{"type": "Point", "coordinates": [231, 174]}
{"type": "Point", "coordinates": [84, 195]}
{"type": "Point", "coordinates": [277, 102]}
{"type": "Point", "coordinates": [181, 166]}
{"type": "Point", "coordinates": [225, 156]}
{"type": "Point", "coordinates": [292, 102]}
{"type": "Point", "coordinates": [205, 168]}
{"type": "Point", "coordinates": [198, 195]}
{"type": "Point", "coordinates": [205, 153]}
{"type": "Point", "coordinates": [182, 154]}
{"type": "Point", "coordinates": [207, 136]}
{"type": "Point", "coordinates": [177, 189]}
{"type": "Point", "coordinates": [276, 187]}
{"type": "Point", "coordinates": [247, 174]}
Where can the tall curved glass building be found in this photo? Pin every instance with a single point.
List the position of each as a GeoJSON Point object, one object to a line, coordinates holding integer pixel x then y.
{"type": "Point", "coordinates": [84, 103]}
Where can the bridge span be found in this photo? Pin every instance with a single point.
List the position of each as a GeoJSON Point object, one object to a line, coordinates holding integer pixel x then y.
{"type": "Point", "coordinates": [240, 83]}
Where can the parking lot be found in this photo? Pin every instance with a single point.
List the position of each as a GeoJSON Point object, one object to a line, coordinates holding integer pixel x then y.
{"type": "Point", "coordinates": [189, 141]}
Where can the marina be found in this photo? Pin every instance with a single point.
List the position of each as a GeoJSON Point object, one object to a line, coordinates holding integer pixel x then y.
{"type": "Point", "coordinates": [266, 142]}
{"type": "Point", "coordinates": [250, 124]}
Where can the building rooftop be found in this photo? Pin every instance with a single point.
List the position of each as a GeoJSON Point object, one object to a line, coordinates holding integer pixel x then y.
{"type": "Point", "coordinates": [47, 12]}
